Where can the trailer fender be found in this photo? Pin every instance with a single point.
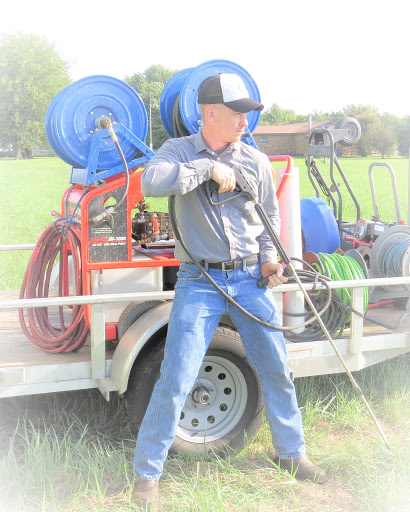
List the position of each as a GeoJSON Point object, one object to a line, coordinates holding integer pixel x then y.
{"type": "Point", "coordinates": [130, 345]}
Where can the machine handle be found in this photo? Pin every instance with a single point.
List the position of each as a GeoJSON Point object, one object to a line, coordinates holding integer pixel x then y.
{"type": "Point", "coordinates": [263, 281]}
{"type": "Point", "coordinates": [288, 171]}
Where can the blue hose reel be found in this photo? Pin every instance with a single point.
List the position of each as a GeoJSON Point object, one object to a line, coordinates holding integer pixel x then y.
{"type": "Point", "coordinates": [72, 133]}
{"type": "Point", "coordinates": [183, 87]}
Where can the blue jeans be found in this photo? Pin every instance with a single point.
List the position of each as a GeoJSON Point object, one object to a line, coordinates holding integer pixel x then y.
{"type": "Point", "coordinates": [195, 315]}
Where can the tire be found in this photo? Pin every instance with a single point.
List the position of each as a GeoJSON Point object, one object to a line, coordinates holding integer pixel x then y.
{"type": "Point", "coordinates": [355, 130]}
{"type": "Point", "coordinates": [132, 312]}
{"type": "Point", "coordinates": [235, 409]}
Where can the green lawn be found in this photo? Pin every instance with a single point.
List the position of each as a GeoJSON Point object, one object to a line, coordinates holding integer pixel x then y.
{"type": "Point", "coordinates": [30, 190]}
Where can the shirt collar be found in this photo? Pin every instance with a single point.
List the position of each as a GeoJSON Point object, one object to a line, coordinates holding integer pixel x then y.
{"type": "Point", "coordinates": [200, 145]}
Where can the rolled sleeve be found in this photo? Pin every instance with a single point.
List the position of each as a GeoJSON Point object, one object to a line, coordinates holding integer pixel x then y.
{"type": "Point", "coordinates": [168, 173]}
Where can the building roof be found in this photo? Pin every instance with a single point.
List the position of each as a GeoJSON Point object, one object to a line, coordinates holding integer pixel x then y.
{"type": "Point", "coordinates": [294, 128]}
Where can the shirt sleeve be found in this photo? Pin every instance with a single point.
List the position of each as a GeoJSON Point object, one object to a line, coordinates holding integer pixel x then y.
{"type": "Point", "coordinates": [170, 173]}
{"type": "Point", "coordinates": [269, 201]}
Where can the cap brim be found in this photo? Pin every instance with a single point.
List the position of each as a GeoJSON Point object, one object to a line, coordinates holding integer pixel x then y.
{"type": "Point", "coordinates": [244, 105]}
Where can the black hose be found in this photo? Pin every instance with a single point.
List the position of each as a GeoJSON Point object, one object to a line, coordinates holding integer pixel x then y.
{"type": "Point", "coordinates": [327, 296]}
{"type": "Point", "coordinates": [178, 125]}
{"type": "Point", "coordinates": [331, 308]}
{"type": "Point", "coordinates": [127, 176]}
{"type": "Point", "coordinates": [110, 210]}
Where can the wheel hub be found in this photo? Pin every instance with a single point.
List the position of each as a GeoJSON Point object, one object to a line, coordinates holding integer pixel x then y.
{"type": "Point", "coordinates": [201, 394]}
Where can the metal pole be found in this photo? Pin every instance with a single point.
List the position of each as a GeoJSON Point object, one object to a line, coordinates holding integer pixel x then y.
{"type": "Point", "coordinates": [408, 202]}
{"type": "Point", "coordinates": [150, 122]}
{"type": "Point", "coordinates": [281, 250]}
{"type": "Point", "coordinates": [339, 355]}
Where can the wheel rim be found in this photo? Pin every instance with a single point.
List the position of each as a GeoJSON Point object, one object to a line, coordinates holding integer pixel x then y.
{"type": "Point", "coordinates": [352, 131]}
{"type": "Point", "coordinates": [225, 384]}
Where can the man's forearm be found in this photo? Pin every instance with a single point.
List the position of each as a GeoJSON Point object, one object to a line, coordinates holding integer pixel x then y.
{"type": "Point", "coordinates": [164, 177]}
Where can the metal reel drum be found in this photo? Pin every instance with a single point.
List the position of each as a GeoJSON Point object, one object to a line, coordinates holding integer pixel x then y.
{"type": "Point", "coordinates": [188, 103]}
{"type": "Point", "coordinates": [356, 255]}
{"type": "Point", "coordinates": [383, 243]}
{"type": "Point", "coordinates": [314, 261]}
{"type": "Point", "coordinates": [70, 120]}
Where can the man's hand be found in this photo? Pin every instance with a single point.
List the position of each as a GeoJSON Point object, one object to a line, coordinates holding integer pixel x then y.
{"type": "Point", "coordinates": [275, 273]}
{"type": "Point", "coordinates": [224, 176]}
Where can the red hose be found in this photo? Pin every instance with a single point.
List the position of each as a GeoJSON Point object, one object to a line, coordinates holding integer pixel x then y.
{"type": "Point", "coordinates": [36, 323]}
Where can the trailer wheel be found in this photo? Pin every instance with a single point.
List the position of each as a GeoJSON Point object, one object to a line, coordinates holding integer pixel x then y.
{"type": "Point", "coordinates": [355, 130]}
{"type": "Point", "coordinates": [132, 312]}
{"type": "Point", "coordinates": [225, 403]}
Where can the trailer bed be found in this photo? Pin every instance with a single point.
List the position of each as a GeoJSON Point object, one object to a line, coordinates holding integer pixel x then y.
{"type": "Point", "coordinates": [27, 369]}
{"type": "Point", "coordinates": [17, 351]}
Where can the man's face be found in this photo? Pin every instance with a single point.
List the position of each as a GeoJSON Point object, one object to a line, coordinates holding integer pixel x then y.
{"type": "Point", "coordinates": [228, 125]}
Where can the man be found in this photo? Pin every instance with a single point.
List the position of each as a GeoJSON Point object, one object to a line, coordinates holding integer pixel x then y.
{"type": "Point", "coordinates": [195, 169]}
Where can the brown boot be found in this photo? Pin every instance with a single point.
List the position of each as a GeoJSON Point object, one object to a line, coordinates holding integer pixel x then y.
{"type": "Point", "coordinates": [302, 469]}
{"type": "Point", "coordinates": [146, 493]}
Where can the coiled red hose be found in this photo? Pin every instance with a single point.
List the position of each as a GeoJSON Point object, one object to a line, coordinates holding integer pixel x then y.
{"type": "Point", "coordinates": [36, 322]}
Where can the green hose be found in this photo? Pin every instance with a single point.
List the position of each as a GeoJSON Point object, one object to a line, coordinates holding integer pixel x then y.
{"type": "Point", "coordinates": [344, 268]}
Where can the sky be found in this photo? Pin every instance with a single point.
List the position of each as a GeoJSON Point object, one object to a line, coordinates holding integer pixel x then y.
{"type": "Point", "coordinates": [304, 56]}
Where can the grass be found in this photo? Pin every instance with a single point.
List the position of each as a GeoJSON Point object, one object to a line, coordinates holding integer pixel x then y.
{"type": "Point", "coordinates": [30, 191]}
{"type": "Point", "coordinates": [73, 452]}
{"type": "Point", "coordinates": [357, 172]}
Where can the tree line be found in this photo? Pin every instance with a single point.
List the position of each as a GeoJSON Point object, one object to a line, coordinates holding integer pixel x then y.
{"type": "Point", "coordinates": [32, 73]}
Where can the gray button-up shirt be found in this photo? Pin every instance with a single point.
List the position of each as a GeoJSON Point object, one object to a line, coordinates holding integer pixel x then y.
{"type": "Point", "coordinates": [183, 167]}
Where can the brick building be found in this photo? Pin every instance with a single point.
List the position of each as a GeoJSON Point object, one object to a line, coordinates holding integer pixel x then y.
{"type": "Point", "coordinates": [286, 139]}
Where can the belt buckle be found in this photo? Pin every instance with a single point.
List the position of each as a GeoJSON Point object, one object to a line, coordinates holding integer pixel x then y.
{"type": "Point", "coordinates": [228, 265]}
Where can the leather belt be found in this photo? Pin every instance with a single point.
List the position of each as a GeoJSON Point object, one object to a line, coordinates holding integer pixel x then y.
{"type": "Point", "coordinates": [226, 266]}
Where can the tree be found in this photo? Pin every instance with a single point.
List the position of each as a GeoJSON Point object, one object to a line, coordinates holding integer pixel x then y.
{"type": "Point", "coordinates": [359, 110]}
{"type": "Point", "coordinates": [276, 115]}
{"type": "Point", "coordinates": [367, 119]}
{"type": "Point", "coordinates": [383, 138]}
{"type": "Point", "coordinates": [31, 74]}
{"type": "Point", "coordinates": [149, 86]}
{"type": "Point", "coordinates": [403, 136]}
